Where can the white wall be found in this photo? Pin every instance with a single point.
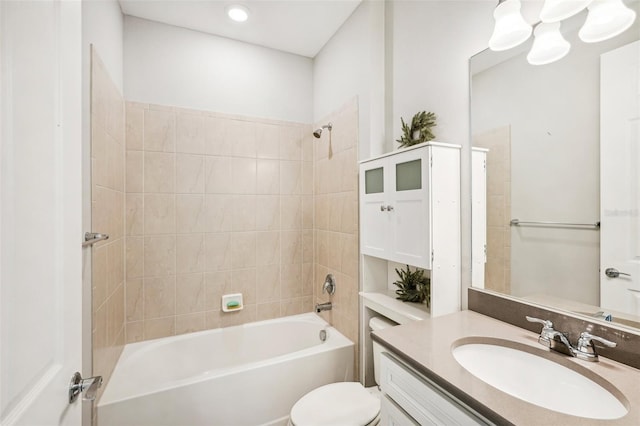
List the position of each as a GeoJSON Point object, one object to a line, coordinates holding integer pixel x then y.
{"type": "Point", "coordinates": [432, 43]}
{"type": "Point", "coordinates": [102, 26]}
{"type": "Point", "coordinates": [168, 65]}
{"type": "Point", "coordinates": [401, 58]}
{"type": "Point", "coordinates": [352, 64]}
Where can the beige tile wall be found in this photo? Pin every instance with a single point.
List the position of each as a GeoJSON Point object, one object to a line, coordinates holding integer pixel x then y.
{"type": "Point", "coordinates": [215, 204]}
{"type": "Point", "coordinates": [107, 216]}
{"type": "Point", "coordinates": [498, 266]}
{"type": "Point", "coordinates": [336, 218]}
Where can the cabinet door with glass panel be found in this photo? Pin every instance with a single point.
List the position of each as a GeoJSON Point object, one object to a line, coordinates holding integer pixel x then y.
{"type": "Point", "coordinates": [374, 219]}
{"type": "Point", "coordinates": [395, 207]}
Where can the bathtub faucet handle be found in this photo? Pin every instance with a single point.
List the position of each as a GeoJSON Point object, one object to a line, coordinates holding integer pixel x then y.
{"type": "Point", "coordinates": [329, 285]}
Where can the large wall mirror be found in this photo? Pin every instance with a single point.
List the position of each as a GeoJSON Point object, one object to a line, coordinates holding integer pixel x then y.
{"type": "Point", "coordinates": [557, 220]}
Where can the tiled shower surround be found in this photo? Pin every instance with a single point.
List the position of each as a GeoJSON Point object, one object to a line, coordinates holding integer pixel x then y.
{"type": "Point", "coordinates": [336, 217]}
{"type": "Point", "coordinates": [107, 216]}
{"type": "Point", "coordinates": [217, 204]}
{"type": "Point", "coordinates": [498, 267]}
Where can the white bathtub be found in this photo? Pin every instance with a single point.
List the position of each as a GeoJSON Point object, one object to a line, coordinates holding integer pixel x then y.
{"type": "Point", "coordinates": [245, 375]}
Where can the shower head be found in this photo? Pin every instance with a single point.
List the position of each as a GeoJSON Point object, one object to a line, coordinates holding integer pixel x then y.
{"type": "Point", "coordinates": [318, 132]}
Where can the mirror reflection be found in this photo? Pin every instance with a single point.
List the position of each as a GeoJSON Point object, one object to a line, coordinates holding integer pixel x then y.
{"type": "Point", "coordinates": [556, 185]}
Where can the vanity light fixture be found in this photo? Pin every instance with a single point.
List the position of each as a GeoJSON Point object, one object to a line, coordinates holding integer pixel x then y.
{"type": "Point", "coordinates": [511, 29]}
{"type": "Point", "coordinates": [557, 10]}
{"type": "Point", "coordinates": [606, 19]}
{"type": "Point", "coordinates": [548, 44]}
{"type": "Point", "coordinates": [237, 12]}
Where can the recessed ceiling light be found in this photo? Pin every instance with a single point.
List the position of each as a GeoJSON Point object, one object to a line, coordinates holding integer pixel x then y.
{"type": "Point", "coordinates": [238, 12]}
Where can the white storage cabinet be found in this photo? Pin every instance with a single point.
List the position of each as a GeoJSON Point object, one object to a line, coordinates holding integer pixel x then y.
{"type": "Point", "coordinates": [410, 204]}
{"type": "Point", "coordinates": [409, 215]}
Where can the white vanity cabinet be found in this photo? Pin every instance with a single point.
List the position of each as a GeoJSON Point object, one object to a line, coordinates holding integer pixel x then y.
{"type": "Point", "coordinates": [410, 398]}
{"type": "Point", "coordinates": [392, 415]}
{"type": "Point", "coordinates": [410, 203]}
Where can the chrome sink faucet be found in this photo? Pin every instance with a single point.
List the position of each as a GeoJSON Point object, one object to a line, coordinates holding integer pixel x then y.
{"type": "Point", "coordinates": [552, 338]}
{"type": "Point", "coordinates": [559, 341]}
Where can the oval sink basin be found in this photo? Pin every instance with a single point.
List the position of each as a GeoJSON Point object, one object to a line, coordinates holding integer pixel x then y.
{"type": "Point", "coordinates": [539, 381]}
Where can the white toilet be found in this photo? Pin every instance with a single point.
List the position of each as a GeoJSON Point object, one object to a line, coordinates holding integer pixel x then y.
{"type": "Point", "coordinates": [343, 403]}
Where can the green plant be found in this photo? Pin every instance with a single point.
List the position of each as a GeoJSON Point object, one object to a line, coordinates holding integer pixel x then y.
{"type": "Point", "coordinates": [421, 125]}
{"type": "Point", "coordinates": [413, 286]}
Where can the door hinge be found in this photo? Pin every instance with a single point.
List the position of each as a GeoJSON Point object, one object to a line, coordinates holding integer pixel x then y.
{"type": "Point", "coordinates": [431, 256]}
{"type": "Point", "coordinates": [431, 160]}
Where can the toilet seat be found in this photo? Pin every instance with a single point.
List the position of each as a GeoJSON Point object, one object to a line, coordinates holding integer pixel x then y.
{"type": "Point", "coordinates": [344, 404]}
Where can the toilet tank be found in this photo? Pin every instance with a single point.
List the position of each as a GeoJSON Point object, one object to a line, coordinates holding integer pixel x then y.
{"type": "Point", "coordinates": [378, 323]}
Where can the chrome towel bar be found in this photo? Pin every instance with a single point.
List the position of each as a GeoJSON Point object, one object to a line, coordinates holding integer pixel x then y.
{"type": "Point", "coordinates": [518, 222]}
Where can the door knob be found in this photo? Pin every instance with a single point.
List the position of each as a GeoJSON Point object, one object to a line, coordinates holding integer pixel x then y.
{"type": "Point", "coordinates": [79, 385]}
{"type": "Point", "coordinates": [614, 273]}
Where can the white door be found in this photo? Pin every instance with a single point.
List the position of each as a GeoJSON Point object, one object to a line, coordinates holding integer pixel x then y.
{"type": "Point", "coordinates": [478, 215]}
{"type": "Point", "coordinates": [40, 211]}
{"type": "Point", "coordinates": [620, 179]}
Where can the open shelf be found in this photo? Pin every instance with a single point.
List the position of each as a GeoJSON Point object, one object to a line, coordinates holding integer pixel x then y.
{"type": "Point", "coordinates": [386, 304]}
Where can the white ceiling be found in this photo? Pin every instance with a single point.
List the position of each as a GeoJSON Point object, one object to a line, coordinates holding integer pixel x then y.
{"type": "Point", "coordinates": [296, 26]}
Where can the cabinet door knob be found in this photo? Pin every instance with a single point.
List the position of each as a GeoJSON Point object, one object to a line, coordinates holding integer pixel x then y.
{"type": "Point", "coordinates": [383, 208]}
{"type": "Point", "coordinates": [389, 208]}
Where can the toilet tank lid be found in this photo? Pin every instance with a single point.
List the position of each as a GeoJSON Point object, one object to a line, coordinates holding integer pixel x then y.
{"type": "Point", "coordinates": [380, 323]}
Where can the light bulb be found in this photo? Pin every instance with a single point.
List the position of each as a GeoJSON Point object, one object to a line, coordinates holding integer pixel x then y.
{"type": "Point", "coordinates": [548, 44]}
{"type": "Point", "coordinates": [606, 19]}
{"type": "Point", "coordinates": [238, 13]}
{"type": "Point", "coordinates": [511, 29]}
{"type": "Point", "coordinates": [557, 10]}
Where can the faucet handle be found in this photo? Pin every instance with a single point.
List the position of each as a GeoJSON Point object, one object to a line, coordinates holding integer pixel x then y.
{"type": "Point", "coordinates": [547, 325]}
{"type": "Point", "coordinates": [548, 333]}
{"type": "Point", "coordinates": [588, 337]}
{"type": "Point", "coordinates": [329, 285]}
{"type": "Point", "coordinates": [585, 348]}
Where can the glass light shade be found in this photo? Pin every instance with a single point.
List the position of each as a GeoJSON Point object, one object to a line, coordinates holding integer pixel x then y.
{"type": "Point", "coordinates": [606, 19]}
{"type": "Point", "coordinates": [511, 29]}
{"type": "Point", "coordinates": [548, 44]}
{"type": "Point", "coordinates": [557, 10]}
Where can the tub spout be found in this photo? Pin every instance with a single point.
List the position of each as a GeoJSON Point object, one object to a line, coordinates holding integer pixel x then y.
{"type": "Point", "coordinates": [323, 307]}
